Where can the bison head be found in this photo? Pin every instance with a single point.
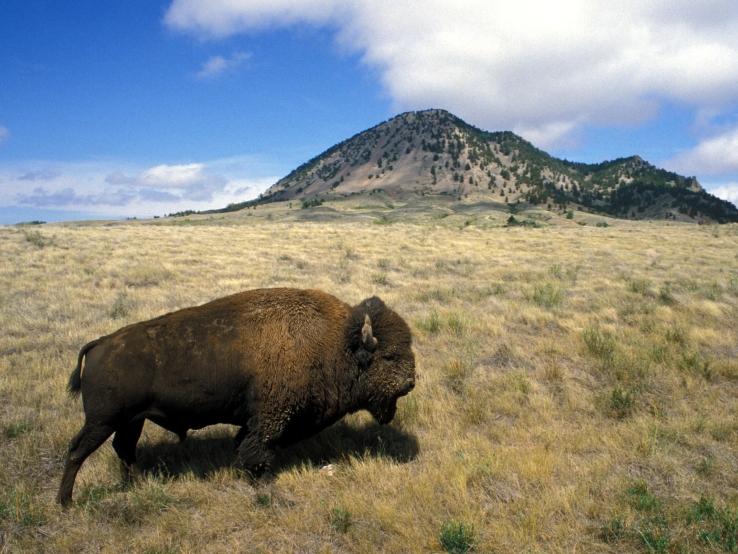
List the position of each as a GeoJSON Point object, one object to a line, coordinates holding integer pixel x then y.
{"type": "Point", "coordinates": [381, 344]}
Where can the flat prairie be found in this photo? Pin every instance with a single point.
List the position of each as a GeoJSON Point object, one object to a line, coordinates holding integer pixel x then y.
{"type": "Point", "coordinates": [577, 389]}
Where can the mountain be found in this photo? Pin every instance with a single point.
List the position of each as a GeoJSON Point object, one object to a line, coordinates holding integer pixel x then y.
{"type": "Point", "coordinates": [433, 152]}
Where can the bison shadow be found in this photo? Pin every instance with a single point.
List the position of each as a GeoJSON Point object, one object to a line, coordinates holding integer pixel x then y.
{"type": "Point", "coordinates": [202, 456]}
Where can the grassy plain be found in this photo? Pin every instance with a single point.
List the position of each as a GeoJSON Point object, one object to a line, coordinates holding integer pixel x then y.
{"type": "Point", "coordinates": [577, 387]}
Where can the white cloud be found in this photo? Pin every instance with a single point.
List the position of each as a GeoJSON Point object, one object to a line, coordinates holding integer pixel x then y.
{"type": "Point", "coordinates": [4, 134]}
{"type": "Point", "coordinates": [122, 189]}
{"type": "Point", "coordinates": [176, 176]}
{"type": "Point", "coordinates": [726, 191]}
{"type": "Point", "coordinates": [218, 65]}
{"type": "Point", "coordinates": [713, 156]}
{"type": "Point", "coordinates": [542, 68]}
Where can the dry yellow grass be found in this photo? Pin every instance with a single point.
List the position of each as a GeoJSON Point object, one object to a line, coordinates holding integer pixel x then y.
{"type": "Point", "coordinates": [577, 391]}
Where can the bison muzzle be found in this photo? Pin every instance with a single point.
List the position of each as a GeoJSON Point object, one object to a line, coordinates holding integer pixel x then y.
{"type": "Point", "coordinates": [281, 363]}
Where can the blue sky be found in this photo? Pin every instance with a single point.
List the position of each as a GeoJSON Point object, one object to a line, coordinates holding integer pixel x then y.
{"type": "Point", "coordinates": [145, 107]}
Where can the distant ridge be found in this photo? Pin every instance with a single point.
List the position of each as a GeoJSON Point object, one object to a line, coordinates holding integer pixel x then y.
{"type": "Point", "coordinates": [433, 152]}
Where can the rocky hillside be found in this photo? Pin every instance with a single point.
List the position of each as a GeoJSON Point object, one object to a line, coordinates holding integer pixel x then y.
{"type": "Point", "coordinates": [433, 152]}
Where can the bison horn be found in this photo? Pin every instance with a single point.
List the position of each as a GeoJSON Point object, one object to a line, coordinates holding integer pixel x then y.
{"type": "Point", "coordinates": [370, 343]}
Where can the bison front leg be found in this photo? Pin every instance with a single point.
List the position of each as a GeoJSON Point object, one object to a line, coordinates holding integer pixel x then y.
{"type": "Point", "coordinates": [254, 454]}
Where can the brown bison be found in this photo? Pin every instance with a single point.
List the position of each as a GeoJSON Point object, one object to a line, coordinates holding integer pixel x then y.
{"type": "Point", "coordinates": [281, 363]}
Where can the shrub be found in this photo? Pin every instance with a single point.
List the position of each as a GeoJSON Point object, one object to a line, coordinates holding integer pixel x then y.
{"type": "Point", "coordinates": [311, 203]}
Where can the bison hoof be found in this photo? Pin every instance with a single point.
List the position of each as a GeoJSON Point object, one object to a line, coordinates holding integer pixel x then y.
{"type": "Point", "coordinates": [130, 474]}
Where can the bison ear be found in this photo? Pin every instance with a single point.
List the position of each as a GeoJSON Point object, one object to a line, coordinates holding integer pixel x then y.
{"type": "Point", "coordinates": [367, 338]}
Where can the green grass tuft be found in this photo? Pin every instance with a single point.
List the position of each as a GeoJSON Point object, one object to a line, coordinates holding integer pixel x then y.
{"type": "Point", "coordinates": [456, 537]}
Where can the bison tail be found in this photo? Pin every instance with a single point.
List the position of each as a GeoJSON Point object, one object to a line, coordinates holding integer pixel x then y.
{"type": "Point", "coordinates": [75, 379]}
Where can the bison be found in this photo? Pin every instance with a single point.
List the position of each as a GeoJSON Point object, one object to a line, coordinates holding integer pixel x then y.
{"type": "Point", "coordinates": [281, 363]}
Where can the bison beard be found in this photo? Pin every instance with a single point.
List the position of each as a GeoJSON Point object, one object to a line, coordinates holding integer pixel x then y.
{"type": "Point", "coordinates": [281, 363]}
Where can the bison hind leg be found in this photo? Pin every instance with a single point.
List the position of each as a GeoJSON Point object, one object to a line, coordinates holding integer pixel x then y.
{"type": "Point", "coordinates": [89, 439]}
{"type": "Point", "coordinates": [124, 443]}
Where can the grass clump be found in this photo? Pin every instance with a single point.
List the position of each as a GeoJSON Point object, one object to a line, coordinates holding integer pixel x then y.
{"type": "Point", "coordinates": [718, 527]}
{"type": "Point", "coordinates": [148, 498]}
{"type": "Point", "coordinates": [639, 286]}
{"type": "Point", "coordinates": [456, 537]}
{"type": "Point", "coordinates": [16, 429]}
{"type": "Point", "coordinates": [654, 535]}
{"type": "Point", "coordinates": [599, 343]}
{"type": "Point", "coordinates": [91, 497]}
{"type": "Point", "coordinates": [706, 466]}
{"type": "Point", "coordinates": [38, 239]}
{"type": "Point", "coordinates": [456, 324]}
{"type": "Point", "coordinates": [676, 334]}
{"type": "Point", "coordinates": [622, 402]}
{"type": "Point", "coordinates": [17, 509]}
{"type": "Point", "coordinates": [456, 371]}
{"type": "Point", "coordinates": [121, 306]}
{"type": "Point", "coordinates": [433, 323]}
{"type": "Point", "coordinates": [612, 531]}
{"type": "Point", "coordinates": [678, 528]}
{"type": "Point", "coordinates": [340, 519]}
{"type": "Point", "coordinates": [430, 324]}
{"type": "Point", "coordinates": [380, 279]}
{"type": "Point", "coordinates": [548, 295]}
{"type": "Point", "coordinates": [640, 498]}
{"type": "Point", "coordinates": [146, 276]}
{"type": "Point", "coordinates": [263, 500]}
{"type": "Point", "coordinates": [666, 296]}
{"type": "Point", "coordinates": [694, 362]}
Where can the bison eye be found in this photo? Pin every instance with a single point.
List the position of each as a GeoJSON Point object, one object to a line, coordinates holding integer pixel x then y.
{"type": "Point", "coordinates": [390, 356]}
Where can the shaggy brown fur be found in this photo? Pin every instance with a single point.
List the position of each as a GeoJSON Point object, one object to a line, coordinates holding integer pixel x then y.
{"type": "Point", "coordinates": [281, 363]}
